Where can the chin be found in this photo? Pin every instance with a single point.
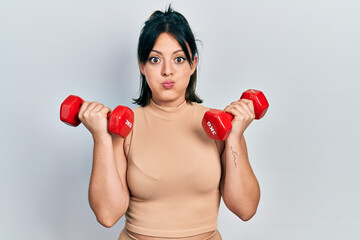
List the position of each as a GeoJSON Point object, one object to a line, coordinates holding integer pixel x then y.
{"type": "Point", "coordinates": [169, 99]}
{"type": "Point", "coordinates": [168, 96]}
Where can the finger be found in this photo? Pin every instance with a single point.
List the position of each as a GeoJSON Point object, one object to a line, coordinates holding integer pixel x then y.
{"type": "Point", "coordinates": [240, 112]}
{"type": "Point", "coordinates": [105, 110]}
{"type": "Point", "coordinates": [250, 103]}
{"type": "Point", "coordinates": [244, 109]}
{"type": "Point", "coordinates": [227, 109]}
{"type": "Point", "coordinates": [241, 103]}
{"type": "Point", "coordinates": [235, 112]}
{"type": "Point", "coordinates": [249, 106]}
{"type": "Point", "coordinates": [89, 109]}
{"type": "Point", "coordinates": [233, 109]}
{"type": "Point", "coordinates": [246, 104]}
{"type": "Point", "coordinates": [97, 108]}
{"type": "Point", "coordinates": [83, 108]}
{"type": "Point", "coordinates": [92, 106]}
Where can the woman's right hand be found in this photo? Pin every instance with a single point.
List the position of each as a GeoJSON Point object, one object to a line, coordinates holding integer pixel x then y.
{"type": "Point", "coordinates": [94, 117]}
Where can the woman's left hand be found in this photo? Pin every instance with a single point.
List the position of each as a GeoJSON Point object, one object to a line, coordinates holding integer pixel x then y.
{"type": "Point", "coordinates": [243, 112]}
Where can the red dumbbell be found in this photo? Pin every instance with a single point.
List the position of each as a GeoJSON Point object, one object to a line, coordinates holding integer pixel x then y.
{"type": "Point", "coordinates": [217, 123]}
{"type": "Point", "coordinates": [121, 119]}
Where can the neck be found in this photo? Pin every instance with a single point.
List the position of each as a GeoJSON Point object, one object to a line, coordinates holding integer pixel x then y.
{"type": "Point", "coordinates": [168, 112]}
{"type": "Point", "coordinates": [170, 104]}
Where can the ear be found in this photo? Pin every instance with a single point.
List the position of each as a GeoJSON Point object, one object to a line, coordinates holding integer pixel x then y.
{"type": "Point", "coordinates": [141, 66]}
{"type": "Point", "coordinates": [194, 64]}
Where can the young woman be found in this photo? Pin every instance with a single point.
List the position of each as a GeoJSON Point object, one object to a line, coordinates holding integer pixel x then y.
{"type": "Point", "coordinates": [167, 176]}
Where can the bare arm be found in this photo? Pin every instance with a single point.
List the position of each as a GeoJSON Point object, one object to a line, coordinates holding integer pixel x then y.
{"type": "Point", "coordinates": [108, 193]}
{"type": "Point", "coordinates": [239, 187]}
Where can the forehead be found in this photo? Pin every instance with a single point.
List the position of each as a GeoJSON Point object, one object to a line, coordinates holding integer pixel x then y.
{"type": "Point", "coordinates": [166, 43]}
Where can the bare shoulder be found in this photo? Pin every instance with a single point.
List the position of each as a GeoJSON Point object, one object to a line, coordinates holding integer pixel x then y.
{"type": "Point", "coordinates": [200, 107]}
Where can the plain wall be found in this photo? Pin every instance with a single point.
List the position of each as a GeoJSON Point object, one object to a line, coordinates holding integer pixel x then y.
{"type": "Point", "coordinates": [304, 55]}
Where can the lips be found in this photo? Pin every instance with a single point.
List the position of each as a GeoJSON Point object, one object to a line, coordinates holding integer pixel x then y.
{"type": "Point", "coordinates": [168, 84]}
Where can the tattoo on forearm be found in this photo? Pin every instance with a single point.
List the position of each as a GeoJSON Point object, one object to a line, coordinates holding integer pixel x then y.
{"type": "Point", "coordinates": [234, 155]}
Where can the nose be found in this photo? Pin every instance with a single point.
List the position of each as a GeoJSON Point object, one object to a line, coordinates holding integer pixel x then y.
{"type": "Point", "coordinates": [167, 69]}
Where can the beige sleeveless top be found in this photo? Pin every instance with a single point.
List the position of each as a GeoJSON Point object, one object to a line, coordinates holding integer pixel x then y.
{"type": "Point", "coordinates": [173, 173]}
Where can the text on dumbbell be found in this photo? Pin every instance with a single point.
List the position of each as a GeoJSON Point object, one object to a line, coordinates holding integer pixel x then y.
{"type": "Point", "coordinates": [211, 128]}
{"type": "Point", "coordinates": [128, 123]}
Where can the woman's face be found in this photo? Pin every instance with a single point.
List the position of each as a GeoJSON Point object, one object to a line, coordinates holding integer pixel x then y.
{"type": "Point", "coordinates": [167, 71]}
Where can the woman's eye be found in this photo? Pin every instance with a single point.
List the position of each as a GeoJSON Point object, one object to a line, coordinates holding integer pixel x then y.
{"type": "Point", "coordinates": [154, 59]}
{"type": "Point", "coordinates": [180, 60]}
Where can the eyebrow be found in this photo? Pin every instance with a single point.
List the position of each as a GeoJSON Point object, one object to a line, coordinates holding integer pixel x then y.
{"type": "Point", "coordinates": [158, 52]}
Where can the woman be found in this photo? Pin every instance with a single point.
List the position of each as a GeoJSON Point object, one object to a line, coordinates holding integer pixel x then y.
{"type": "Point", "coordinates": [167, 176]}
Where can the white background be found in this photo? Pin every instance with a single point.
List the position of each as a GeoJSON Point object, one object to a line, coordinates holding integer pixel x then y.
{"type": "Point", "coordinates": [304, 55]}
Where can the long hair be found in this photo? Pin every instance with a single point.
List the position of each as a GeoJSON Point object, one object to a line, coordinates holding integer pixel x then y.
{"type": "Point", "coordinates": [175, 24]}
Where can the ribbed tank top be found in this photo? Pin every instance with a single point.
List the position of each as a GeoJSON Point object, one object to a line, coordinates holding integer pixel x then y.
{"type": "Point", "coordinates": [173, 173]}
